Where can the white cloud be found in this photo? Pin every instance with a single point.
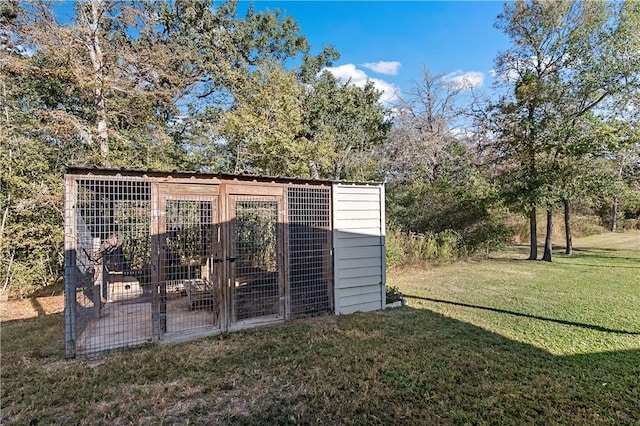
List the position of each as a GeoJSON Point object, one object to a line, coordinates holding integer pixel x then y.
{"type": "Point", "coordinates": [464, 80]}
{"type": "Point", "coordinates": [349, 73]}
{"type": "Point", "coordinates": [383, 67]}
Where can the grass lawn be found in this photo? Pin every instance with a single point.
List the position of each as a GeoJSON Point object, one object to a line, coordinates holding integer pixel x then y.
{"type": "Point", "coordinates": [497, 341]}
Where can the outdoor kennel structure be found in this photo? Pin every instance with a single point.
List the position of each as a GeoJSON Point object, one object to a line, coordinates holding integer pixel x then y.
{"type": "Point", "coordinates": [172, 256]}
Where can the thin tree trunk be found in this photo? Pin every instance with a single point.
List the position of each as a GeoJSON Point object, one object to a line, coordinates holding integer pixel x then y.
{"type": "Point", "coordinates": [4, 218]}
{"type": "Point", "coordinates": [614, 215]}
{"type": "Point", "coordinates": [8, 276]}
{"type": "Point", "coordinates": [548, 244]}
{"type": "Point", "coordinates": [5, 214]}
{"type": "Point", "coordinates": [533, 232]}
{"type": "Point", "coordinates": [567, 228]}
{"type": "Point", "coordinates": [313, 170]}
{"type": "Point", "coordinates": [614, 205]}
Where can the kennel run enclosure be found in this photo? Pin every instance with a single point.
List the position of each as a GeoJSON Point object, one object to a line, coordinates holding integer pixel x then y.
{"type": "Point", "coordinates": [172, 256]}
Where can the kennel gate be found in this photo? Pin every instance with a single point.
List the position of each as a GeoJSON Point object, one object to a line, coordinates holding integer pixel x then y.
{"type": "Point", "coordinates": [168, 257]}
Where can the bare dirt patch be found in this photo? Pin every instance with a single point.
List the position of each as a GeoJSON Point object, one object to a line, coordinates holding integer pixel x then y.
{"type": "Point", "coordinates": [30, 308]}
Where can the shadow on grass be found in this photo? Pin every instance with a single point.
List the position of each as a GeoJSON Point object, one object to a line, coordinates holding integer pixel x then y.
{"type": "Point", "coordinates": [37, 307]}
{"type": "Point", "coordinates": [587, 252]}
{"type": "Point", "coordinates": [426, 368]}
{"type": "Point", "coordinates": [578, 254]}
{"type": "Point", "coordinates": [401, 366]}
{"type": "Point", "coordinates": [593, 265]}
{"type": "Point", "coordinates": [520, 314]}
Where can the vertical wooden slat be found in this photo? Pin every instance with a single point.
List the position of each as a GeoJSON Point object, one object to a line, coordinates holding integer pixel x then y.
{"type": "Point", "coordinates": [328, 265]}
{"type": "Point", "coordinates": [336, 265]}
{"type": "Point", "coordinates": [156, 242]}
{"type": "Point", "coordinates": [224, 265]}
{"type": "Point", "coordinates": [98, 279]}
{"type": "Point", "coordinates": [383, 249]}
{"type": "Point", "coordinates": [283, 230]}
{"type": "Point", "coordinates": [70, 266]}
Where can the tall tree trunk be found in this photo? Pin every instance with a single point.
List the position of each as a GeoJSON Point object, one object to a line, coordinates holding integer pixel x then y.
{"type": "Point", "coordinates": [614, 215]}
{"type": "Point", "coordinates": [548, 244]}
{"type": "Point", "coordinates": [533, 233]}
{"type": "Point", "coordinates": [567, 228]}
{"type": "Point", "coordinates": [92, 42]}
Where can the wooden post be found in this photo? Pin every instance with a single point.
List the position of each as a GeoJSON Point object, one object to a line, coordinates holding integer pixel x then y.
{"type": "Point", "coordinates": [282, 232]}
{"type": "Point", "coordinates": [69, 268]}
{"type": "Point", "coordinates": [98, 277]}
{"type": "Point", "coordinates": [155, 262]}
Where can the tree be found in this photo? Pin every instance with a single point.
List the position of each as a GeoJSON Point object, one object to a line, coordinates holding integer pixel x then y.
{"type": "Point", "coordinates": [260, 130]}
{"type": "Point", "coordinates": [421, 132]}
{"type": "Point", "coordinates": [232, 55]}
{"type": "Point", "coordinates": [435, 177]}
{"type": "Point", "coordinates": [344, 129]}
{"type": "Point", "coordinates": [129, 84]}
{"type": "Point", "coordinates": [568, 59]}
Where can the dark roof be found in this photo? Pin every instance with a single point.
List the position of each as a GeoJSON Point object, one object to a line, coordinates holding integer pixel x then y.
{"type": "Point", "coordinates": [203, 175]}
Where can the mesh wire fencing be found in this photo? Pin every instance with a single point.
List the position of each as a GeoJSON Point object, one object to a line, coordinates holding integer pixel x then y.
{"type": "Point", "coordinates": [189, 286]}
{"type": "Point", "coordinates": [310, 260]}
{"type": "Point", "coordinates": [112, 264]}
{"type": "Point", "coordinates": [256, 240]}
{"type": "Point", "coordinates": [144, 263]}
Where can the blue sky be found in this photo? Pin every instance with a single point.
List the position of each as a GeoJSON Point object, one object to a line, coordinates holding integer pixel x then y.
{"type": "Point", "coordinates": [456, 38]}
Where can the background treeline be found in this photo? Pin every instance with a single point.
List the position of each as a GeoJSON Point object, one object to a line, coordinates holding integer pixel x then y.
{"type": "Point", "coordinates": [195, 86]}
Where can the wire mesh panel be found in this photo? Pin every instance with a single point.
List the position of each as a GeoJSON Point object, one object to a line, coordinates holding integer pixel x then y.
{"type": "Point", "coordinates": [310, 261]}
{"type": "Point", "coordinates": [190, 288]}
{"type": "Point", "coordinates": [145, 256]}
{"type": "Point", "coordinates": [112, 263]}
{"type": "Point", "coordinates": [256, 243]}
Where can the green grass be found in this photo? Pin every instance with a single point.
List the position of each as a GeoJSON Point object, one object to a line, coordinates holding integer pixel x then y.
{"type": "Point", "coordinates": [499, 341]}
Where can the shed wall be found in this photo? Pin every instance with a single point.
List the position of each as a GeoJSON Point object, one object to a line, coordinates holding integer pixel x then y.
{"type": "Point", "coordinates": [358, 244]}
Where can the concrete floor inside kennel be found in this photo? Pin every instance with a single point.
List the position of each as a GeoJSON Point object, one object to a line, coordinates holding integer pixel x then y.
{"type": "Point", "coordinates": [123, 324]}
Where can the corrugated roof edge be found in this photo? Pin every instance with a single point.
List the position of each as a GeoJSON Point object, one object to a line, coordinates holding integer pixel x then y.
{"type": "Point", "coordinates": [74, 170]}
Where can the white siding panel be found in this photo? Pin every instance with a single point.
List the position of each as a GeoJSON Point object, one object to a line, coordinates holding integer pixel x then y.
{"type": "Point", "coordinates": [367, 271]}
{"type": "Point", "coordinates": [359, 282]}
{"type": "Point", "coordinates": [359, 205]}
{"type": "Point", "coordinates": [358, 240]}
{"type": "Point", "coordinates": [353, 224]}
{"type": "Point", "coordinates": [361, 232]}
{"type": "Point", "coordinates": [371, 190]}
{"type": "Point", "coordinates": [358, 214]}
{"type": "Point", "coordinates": [359, 299]}
{"type": "Point", "coordinates": [356, 197]}
{"type": "Point", "coordinates": [359, 263]}
{"type": "Point", "coordinates": [356, 291]}
{"type": "Point", "coordinates": [360, 307]}
{"type": "Point", "coordinates": [358, 252]}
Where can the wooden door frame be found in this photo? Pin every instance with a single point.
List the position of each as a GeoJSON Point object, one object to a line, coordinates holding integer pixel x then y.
{"type": "Point", "coordinates": [251, 189]}
{"type": "Point", "coordinates": [177, 191]}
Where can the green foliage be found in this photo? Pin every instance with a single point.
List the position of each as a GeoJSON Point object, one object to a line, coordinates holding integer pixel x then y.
{"type": "Point", "coordinates": [344, 129]}
{"type": "Point", "coordinates": [459, 199]}
{"type": "Point", "coordinates": [261, 129]}
{"type": "Point", "coordinates": [571, 65]}
{"type": "Point", "coordinates": [168, 85]}
{"type": "Point", "coordinates": [409, 248]}
{"type": "Point", "coordinates": [393, 294]}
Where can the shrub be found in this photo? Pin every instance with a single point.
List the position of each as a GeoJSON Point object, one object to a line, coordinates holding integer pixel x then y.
{"type": "Point", "coordinates": [393, 294]}
{"type": "Point", "coordinates": [411, 248]}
